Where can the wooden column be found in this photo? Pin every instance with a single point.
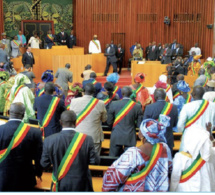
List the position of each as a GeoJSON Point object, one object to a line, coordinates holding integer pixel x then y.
{"type": "Point", "coordinates": [1, 18]}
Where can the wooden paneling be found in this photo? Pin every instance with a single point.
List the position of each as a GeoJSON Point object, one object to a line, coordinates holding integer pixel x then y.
{"type": "Point", "coordinates": [1, 18]}
{"type": "Point", "coordinates": [143, 21]}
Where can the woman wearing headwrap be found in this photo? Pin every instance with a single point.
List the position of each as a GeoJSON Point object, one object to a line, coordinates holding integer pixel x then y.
{"type": "Point", "coordinates": [194, 167]}
{"type": "Point", "coordinates": [47, 76]}
{"type": "Point", "coordinates": [210, 91]}
{"type": "Point", "coordinates": [144, 168]}
{"type": "Point", "coordinates": [194, 66]}
{"type": "Point", "coordinates": [21, 93]}
{"type": "Point", "coordinates": [75, 91]}
{"type": "Point", "coordinates": [182, 97]}
{"type": "Point", "coordinates": [113, 78]}
{"type": "Point", "coordinates": [140, 93]}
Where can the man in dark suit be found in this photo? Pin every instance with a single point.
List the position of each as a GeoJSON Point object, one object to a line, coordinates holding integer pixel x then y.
{"type": "Point", "coordinates": [110, 52]}
{"type": "Point", "coordinates": [120, 55]}
{"type": "Point", "coordinates": [113, 46]}
{"type": "Point", "coordinates": [17, 172]}
{"type": "Point", "coordinates": [123, 133]}
{"type": "Point", "coordinates": [167, 53]}
{"type": "Point", "coordinates": [159, 51]}
{"type": "Point", "coordinates": [71, 41]}
{"type": "Point", "coordinates": [3, 54]}
{"type": "Point", "coordinates": [41, 105]}
{"type": "Point", "coordinates": [55, 147]}
{"type": "Point", "coordinates": [154, 110]}
{"type": "Point", "coordinates": [178, 52]}
{"type": "Point", "coordinates": [49, 39]}
{"type": "Point", "coordinates": [28, 57]}
{"type": "Point", "coordinates": [62, 37]}
{"type": "Point", "coordinates": [153, 52]}
{"type": "Point", "coordinates": [147, 50]}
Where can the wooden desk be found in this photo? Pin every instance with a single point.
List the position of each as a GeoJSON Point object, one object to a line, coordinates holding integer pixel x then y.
{"type": "Point", "coordinates": [152, 69]}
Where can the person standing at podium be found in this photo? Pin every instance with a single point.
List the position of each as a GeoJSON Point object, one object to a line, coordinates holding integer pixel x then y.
{"type": "Point", "coordinates": [49, 40]}
{"type": "Point", "coordinates": [94, 46]}
{"type": "Point", "coordinates": [71, 41]}
{"type": "Point", "coordinates": [62, 37]}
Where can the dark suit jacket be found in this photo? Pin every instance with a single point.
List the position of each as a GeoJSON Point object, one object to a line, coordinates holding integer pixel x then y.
{"type": "Point", "coordinates": [167, 58]}
{"type": "Point", "coordinates": [124, 133]}
{"type": "Point", "coordinates": [120, 54]}
{"type": "Point", "coordinates": [41, 105]}
{"type": "Point", "coordinates": [153, 111]}
{"type": "Point", "coordinates": [26, 59]}
{"type": "Point", "coordinates": [71, 41]}
{"type": "Point", "coordinates": [153, 55]}
{"type": "Point", "coordinates": [98, 86]}
{"type": "Point", "coordinates": [17, 172]}
{"type": "Point", "coordinates": [50, 42]}
{"type": "Point", "coordinates": [60, 38]}
{"type": "Point", "coordinates": [112, 54]}
{"type": "Point", "coordinates": [78, 177]}
{"type": "Point", "coordinates": [180, 52]}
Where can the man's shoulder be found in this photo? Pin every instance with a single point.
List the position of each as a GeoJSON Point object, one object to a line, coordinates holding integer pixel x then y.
{"type": "Point", "coordinates": [35, 131]}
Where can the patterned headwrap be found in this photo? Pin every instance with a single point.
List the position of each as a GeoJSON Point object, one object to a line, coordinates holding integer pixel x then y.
{"type": "Point", "coordinates": [4, 75]}
{"type": "Point", "coordinates": [183, 86]}
{"type": "Point", "coordinates": [197, 57]}
{"type": "Point", "coordinates": [21, 79]}
{"type": "Point", "coordinates": [154, 131]}
{"type": "Point", "coordinates": [113, 78]}
{"type": "Point", "coordinates": [47, 76]}
{"type": "Point", "coordinates": [77, 88]}
{"type": "Point", "coordinates": [139, 78]}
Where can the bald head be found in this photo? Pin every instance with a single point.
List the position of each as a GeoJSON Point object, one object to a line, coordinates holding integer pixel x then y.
{"type": "Point", "coordinates": [17, 110]}
{"type": "Point", "coordinates": [68, 119]}
{"type": "Point", "coordinates": [198, 92]}
{"type": "Point", "coordinates": [159, 94]}
{"type": "Point", "coordinates": [201, 71]}
{"type": "Point", "coordinates": [180, 77]}
{"type": "Point", "coordinates": [89, 89]}
{"type": "Point", "coordinates": [126, 91]}
{"type": "Point", "coordinates": [49, 88]}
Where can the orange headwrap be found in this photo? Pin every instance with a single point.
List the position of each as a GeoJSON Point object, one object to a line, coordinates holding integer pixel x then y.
{"type": "Point", "coordinates": [139, 78]}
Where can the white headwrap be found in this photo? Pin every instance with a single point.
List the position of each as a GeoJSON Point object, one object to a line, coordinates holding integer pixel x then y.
{"type": "Point", "coordinates": [163, 78]}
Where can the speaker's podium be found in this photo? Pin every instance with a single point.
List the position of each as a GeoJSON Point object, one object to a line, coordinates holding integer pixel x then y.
{"type": "Point", "coordinates": [152, 70]}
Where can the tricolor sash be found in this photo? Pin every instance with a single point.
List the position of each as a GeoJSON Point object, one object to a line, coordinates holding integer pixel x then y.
{"type": "Point", "coordinates": [97, 45]}
{"type": "Point", "coordinates": [188, 99]}
{"type": "Point", "coordinates": [192, 67]}
{"type": "Point", "coordinates": [155, 155]}
{"type": "Point", "coordinates": [18, 136]}
{"type": "Point", "coordinates": [68, 159]}
{"type": "Point", "coordinates": [51, 38]}
{"type": "Point", "coordinates": [123, 112]}
{"type": "Point", "coordinates": [139, 88]}
{"type": "Point", "coordinates": [192, 169]}
{"type": "Point", "coordinates": [198, 113]}
{"type": "Point", "coordinates": [206, 81]}
{"type": "Point", "coordinates": [17, 90]}
{"type": "Point", "coordinates": [176, 95]}
{"type": "Point", "coordinates": [50, 112]}
{"type": "Point", "coordinates": [94, 82]}
{"type": "Point", "coordinates": [168, 88]}
{"type": "Point", "coordinates": [68, 107]}
{"type": "Point", "coordinates": [7, 95]}
{"type": "Point", "coordinates": [84, 113]}
{"type": "Point", "coordinates": [42, 91]}
{"type": "Point", "coordinates": [2, 82]}
{"type": "Point", "coordinates": [108, 100]}
{"type": "Point", "coordinates": [16, 43]}
{"type": "Point", "coordinates": [167, 108]}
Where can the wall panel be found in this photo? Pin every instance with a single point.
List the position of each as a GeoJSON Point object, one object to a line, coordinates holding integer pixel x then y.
{"type": "Point", "coordinates": [142, 21]}
{"type": "Point", "coordinates": [1, 18]}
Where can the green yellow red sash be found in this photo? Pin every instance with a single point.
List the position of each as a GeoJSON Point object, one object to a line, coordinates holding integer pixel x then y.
{"type": "Point", "coordinates": [94, 82]}
{"type": "Point", "coordinates": [206, 81]}
{"type": "Point", "coordinates": [192, 169]}
{"type": "Point", "coordinates": [2, 82]}
{"type": "Point", "coordinates": [198, 113]}
{"type": "Point", "coordinates": [18, 136]}
{"type": "Point", "coordinates": [192, 67]}
{"type": "Point", "coordinates": [155, 155]}
{"type": "Point", "coordinates": [188, 99]}
{"type": "Point", "coordinates": [107, 100]}
{"type": "Point", "coordinates": [97, 45]}
{"type": "Point", "coordinates": [18, 89]}
{"type": "Point", "coordinates": [168, 88]}
{"type": "Point", "coordinates": [50, 112]}
{"type": "Point", "coordinates": [68, 107]}
{"type": "Point", "coordinates": [176, 95]}
{"type": "Point", "coordinates": [68, 159]}
{"type": "Point", "coordinates": [167, 109]}
{"type": "Point", "coordinates": [214, 100]}
{"type": "Point", "coordinates": [7, 95]}
{"type": "Point", "coordinates": [50, 37]}
{"type": "Point", "coordinates": [139, 88]}
{"type": "Point", "coordinates": [16, 43]}
{"type": "Point", "coordinates": [42, 91]}
{"type": "Point", "coordinates": [84, 113]}
{"type": "Point", "coordinates": [123, 112]}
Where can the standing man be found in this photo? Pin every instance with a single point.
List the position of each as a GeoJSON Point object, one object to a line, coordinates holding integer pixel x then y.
{"type": "Point", "coordinates": [167, 53]}
{"type": "Point", "coordinates": [64, 75]}
{"type": "Point", "coordinates": [120, 56]}
{"type": "Point", "coordinates": [22, 38]}
{"type": "Point", "coordinates": [35, 41]}
{"type": "Point", "coordinates": [59, 146]}
{"type": "Point", "coordinates": [178, 52]}
{"type": "Point", "coordinates": [110, 53]}
{"type": "Point", "coordinates": [138, 53]}
{"type": "Point", "coordinates": [147, 50]}
{"type": "Point", "coordinates": [71, 41]}
{"type": "Point", "coordinates": [49, 40]}
{"type": "Point", "coordinates": [124, 125]}
{"type": "Point", "coordinates": [196, 49]}
{"type": "Point", "coordinates": [15, 45]}
{"type": "Point", "coordinates": [49, 109]}
{"type": "Point", "coordinates": [153, 52]}
{"type": "Point", "coordinates": [90, 112]}
{"type": "Point", "coordinates": [173, 45]}
{"type": "Point", "coordinates": [94, 46]}
{"type": "Point", "coordinates": [162, 107]}
{"type": "Point", "coordinates": [6, 43]}
{"type": "Point", "coordinates": [17, 172]}
{"type": "Point", "coordinates": [3, 54]}
{"type": "Point", "coordinates": [62, 37]}
{"type": "Point", "coordinates": [113, 45]}
{"type": "Point", "coordinates": [28, 57]}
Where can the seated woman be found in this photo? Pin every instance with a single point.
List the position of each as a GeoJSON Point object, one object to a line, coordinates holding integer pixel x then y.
{"type": "Point", "coordinates": [108, 96]}
{"type": "Point", "coordinates": [144, 168]}
{"type": "Point", "coordinates": [194, 167]}
{"type": "Point", "coordinates": [140, 93]}
{"type": "Point", "coordinates": [47, 76]}
{"type": "Point", "coordinates": [194, 66]}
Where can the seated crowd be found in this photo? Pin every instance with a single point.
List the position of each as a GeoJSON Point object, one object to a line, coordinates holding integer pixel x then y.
{"type": "Point", "coordinates": [70, 132]}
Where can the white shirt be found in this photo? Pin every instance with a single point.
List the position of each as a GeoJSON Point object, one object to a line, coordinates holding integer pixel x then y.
{"type": "Point", "coordinates": [93, 48]}
{"type": "Point", "coordinates": [68, 128]}
{"type": "Point", "coordinates": [197, 50]}
{"type": "Point", "coordinates": [34, 42]}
